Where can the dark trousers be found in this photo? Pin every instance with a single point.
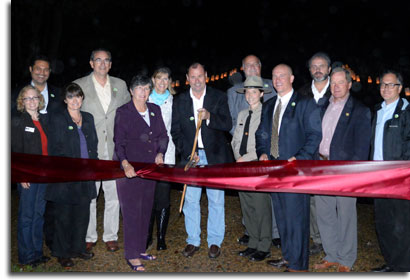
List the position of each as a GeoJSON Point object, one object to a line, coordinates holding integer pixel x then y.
{"type": "Point", "coordinates": [30, 222]}
{"type": "Point", "coordinates": [70, 229]}
{"type": "Point", "coordinates": [162, 195]}
{"type": "Point", "coordinates": [257, 215]}
{"type": "Point", "coordinates": [49, 224]}
{"type": "Point", "coordinates": [136, 197]}
{"type": "Point", "coordinates": [393, 231]}
{"type": "Point", "coordinates": [292, 217]}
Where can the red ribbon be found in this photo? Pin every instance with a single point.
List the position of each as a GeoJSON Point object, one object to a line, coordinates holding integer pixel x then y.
{"type": "Point", "coordinates": [383, 179]}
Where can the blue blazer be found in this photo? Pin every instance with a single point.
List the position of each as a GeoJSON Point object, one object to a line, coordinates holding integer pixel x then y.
{"type": "Point", "coordinates": [351, 139]}
{"type": "Point", "coordinates": [300, 131]}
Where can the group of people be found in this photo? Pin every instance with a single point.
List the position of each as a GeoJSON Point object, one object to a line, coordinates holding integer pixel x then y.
{"type": "Point", "coordinates": [258, 119]}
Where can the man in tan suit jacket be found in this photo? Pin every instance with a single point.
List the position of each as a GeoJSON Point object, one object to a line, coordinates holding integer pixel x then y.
{"type": "Point", "coordinates": [103, 95]}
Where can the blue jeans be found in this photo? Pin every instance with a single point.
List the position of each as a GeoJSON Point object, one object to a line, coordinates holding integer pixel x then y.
{"type": "Point", "coordinates": [30, 222]}
{"type": "Point", "coordinates": [216, 212]}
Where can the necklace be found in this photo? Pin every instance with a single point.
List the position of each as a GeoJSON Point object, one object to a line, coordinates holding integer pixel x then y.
{"type": "Point", "coordinates": [78, 123]}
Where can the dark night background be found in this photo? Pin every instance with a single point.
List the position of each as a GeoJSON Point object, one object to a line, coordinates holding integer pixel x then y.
{"type": "Point", "coordinates": [145, 34]}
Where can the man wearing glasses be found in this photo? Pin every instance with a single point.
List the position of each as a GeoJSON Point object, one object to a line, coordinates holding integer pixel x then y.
{"type": "Point", "coordinates": [391, 141]}
{"type": "Point", "coordinates": [103, 94]}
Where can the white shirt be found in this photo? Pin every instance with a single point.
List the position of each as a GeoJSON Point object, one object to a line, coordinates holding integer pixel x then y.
{"type": "Point", "coordinates": [384, 114]}
{"type": "Point", "coordinates": [145, 116]}
{"type": "Point", "coordinates": [198, 104]}
{"type": "Point", "coordinates": [319, 94]}
{"type": "Point", "coordinates": [103, 92]}
{"type": "Point", "coordinates": [44, 93]}
{"type": "Point", "coordinates": [285, 100]}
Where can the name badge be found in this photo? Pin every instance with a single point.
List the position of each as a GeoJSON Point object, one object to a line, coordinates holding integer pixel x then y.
{"type": "Point", "coordinates": [29, 129]}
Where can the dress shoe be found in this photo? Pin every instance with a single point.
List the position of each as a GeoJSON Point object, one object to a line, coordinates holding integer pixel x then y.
{"type": "Point", "coordinates": [190, 250]}
{"type": "Point", "coordinates": [278, 263]}
{"type": "Point", "coordinates": [243, 240]}
{"type": "Point", "coordinates": [37, 262]}
{"type": "Point", "coordinates": [276, 242]}
{"type": "Point", "coordinates": [43, 259]}
{"type": "Point", "coordinates": [343, 268]}
{"type": "Point", "coordinates": [247, 252]}
{"type": "Point", "coordinates": [89, 246]}
{"type": "Point", "coordinates": [325, 264]}
{"type": "Point", "coordinates": [112, 246]}
{"type": "Point", "coordinates": [214, 251]}
{"type": "Point", "coordinates": [295, 270]}
{"type": "Point", "coordinates": [84, 255]}
{"type": "Point", "coordinates": [315, 249]}
{"type": "Point", "coordinates": [259, 256]}
{"type": "Point", "coordinates": [66, 262]}
{"type": "Point", "coordinates": [383, 268]}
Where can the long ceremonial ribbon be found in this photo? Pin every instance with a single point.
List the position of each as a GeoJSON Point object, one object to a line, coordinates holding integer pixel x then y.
{"type": "Point", "coordinates": [383, 179]}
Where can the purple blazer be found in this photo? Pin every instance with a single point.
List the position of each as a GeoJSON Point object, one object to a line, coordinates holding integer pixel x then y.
{"type": "Point", "coordinates": [134, 139]}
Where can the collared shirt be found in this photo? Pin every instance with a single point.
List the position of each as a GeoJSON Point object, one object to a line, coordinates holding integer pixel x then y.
{"type": "Point", "coordinates": [384, 114]}
{"type": "Point", "coordinates": [284, 100]}
{"type": "Point", "coordinates": [103, 92]}
{"type": "Point", "coordinates": [44, 93]}
{"type": "Point", "coordinates": [329, 123]}
{"type": "Point", "coordinates": [198, 104]}
{"type": "Point", "coordinates": [319, 94]}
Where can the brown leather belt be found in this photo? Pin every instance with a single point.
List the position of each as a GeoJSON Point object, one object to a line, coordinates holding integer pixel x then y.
{"type": "Point", "coordinates": [322, 157]}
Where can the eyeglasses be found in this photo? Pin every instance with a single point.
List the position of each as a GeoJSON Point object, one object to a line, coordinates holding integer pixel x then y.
{"type": "Point", "coordinates": [100, 61]}
{"type": "Point", "coordinates": [35, 98]}
{"type": "Point", "coordinates": [389, 86]}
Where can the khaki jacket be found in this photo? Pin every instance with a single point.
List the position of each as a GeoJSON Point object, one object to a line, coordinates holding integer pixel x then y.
{"type": "Point", "coordinates": [104, 122]}
{"type": "Point", "coordinates": [238, 133]}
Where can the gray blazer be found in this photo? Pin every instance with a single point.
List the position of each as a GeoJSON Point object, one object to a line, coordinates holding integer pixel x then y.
{"type": "Point", "coordinates": [104, 122]}
{"type": "Point", "coordinates": [238, 134]}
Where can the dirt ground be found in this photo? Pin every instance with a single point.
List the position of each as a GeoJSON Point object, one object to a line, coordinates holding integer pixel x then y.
{"type": "Point", "coordinates": [171, 260]}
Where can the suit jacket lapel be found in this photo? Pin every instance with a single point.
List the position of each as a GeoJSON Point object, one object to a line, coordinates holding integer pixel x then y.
{"type": "Point", "coordinates": [114, 90]}
{"type": "Point", "coordinates": [94, 100]}
{"type": "Point", "coordinates": [290, 108]}
{"type": "Point", "coordinates": [189, 105]}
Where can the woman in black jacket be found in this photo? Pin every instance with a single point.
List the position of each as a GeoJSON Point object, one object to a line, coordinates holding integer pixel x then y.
{"type": "Point", "coordinates": [29, 135]}
{"type": "Point", "coordinates": [73, 135]}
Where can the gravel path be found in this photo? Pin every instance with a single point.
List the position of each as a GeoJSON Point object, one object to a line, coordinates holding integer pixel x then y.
{"type": "Point", "coordinates": [171, 260]}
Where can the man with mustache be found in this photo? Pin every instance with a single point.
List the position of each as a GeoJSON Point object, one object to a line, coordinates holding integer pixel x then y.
{"type": "Point", "coordinates": [319, 89]}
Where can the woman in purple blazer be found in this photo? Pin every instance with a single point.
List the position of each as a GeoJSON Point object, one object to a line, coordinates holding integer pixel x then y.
{"type": "Point", "coordinates": [140, 136]}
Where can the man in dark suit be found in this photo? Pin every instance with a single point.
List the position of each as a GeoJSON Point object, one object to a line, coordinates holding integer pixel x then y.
{"type": "Point", "coordinates": [319, 89]}
{"type": "Point", "coordinates": [391, 141]}
{"type": "Point", "coordinates": [211, 106]}
{"type": "Point", "coordinates": [289, 130]}
{"type": "Point", "coordinates": [346, 136]}
{"type": "Point", "coordinates": [40, 72]}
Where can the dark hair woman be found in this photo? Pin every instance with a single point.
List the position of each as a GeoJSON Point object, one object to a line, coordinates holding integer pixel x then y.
{"type": "Point", "coordinates": [73, 135]}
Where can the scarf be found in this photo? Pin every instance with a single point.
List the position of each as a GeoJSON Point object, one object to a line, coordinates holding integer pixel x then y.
{"type": "Point", "coordinates": [159, 99]}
